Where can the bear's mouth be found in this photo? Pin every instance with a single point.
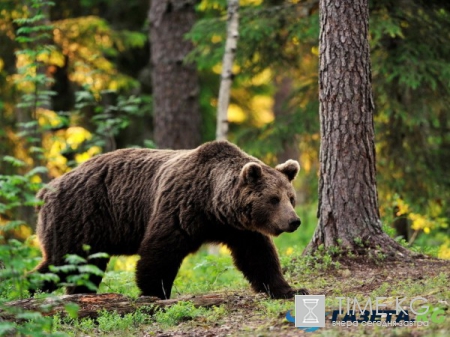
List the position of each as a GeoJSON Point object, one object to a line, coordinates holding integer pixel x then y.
{"type": "Point", "coordinates": [277, 232]}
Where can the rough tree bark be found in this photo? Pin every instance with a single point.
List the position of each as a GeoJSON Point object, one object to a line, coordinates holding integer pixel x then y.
{"type": "Point", "coordinates": [348, 203]}
{"type": "Point", "coordinates": [227, 69]}
{"type": "Point", "coordinates": [177, 119]}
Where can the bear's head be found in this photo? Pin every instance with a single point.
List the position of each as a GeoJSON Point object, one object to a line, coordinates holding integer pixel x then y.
{"type": "Point", "coordinates": [268, 198]}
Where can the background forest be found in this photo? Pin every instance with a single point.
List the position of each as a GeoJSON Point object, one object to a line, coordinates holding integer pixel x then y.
{"type": "Point", "coordinates": [76, 81]}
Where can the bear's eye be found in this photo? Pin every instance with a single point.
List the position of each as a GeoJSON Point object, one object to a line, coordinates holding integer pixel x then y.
{"type": "Point", "coordinates": [292, 200]}
{"type": "Point", "coordinates": [274, 200]}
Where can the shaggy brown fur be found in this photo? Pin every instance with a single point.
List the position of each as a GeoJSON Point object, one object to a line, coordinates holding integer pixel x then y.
{"type": "Point", "coordinates": [163, 205]}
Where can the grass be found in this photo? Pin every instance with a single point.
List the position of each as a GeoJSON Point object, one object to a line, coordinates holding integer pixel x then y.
{"type": "Point", "coordinates": [254, 314]}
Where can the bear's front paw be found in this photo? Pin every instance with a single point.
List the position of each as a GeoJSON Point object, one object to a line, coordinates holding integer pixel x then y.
{"type": "Point", "coordinates": [289, 293]}
{"type": "Point", "coordinates": [301, 291]}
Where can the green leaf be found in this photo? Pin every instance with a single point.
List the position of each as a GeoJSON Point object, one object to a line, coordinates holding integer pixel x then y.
{"type": "Point", "coordinates": [74, 259]}
{"type": "Point", "coordinates": [36, 170]}
{"type": "Point", "coordinates": [72, 309]}
{"type": "Point", "coordinates": [13, 161]}
{"type": "Point", "coordinates": [31, 315]}
{"type": "Point", "coordinates": [6, 327]}
{"type": "Point", "coordinates": [90, 269]}
{"type": "Point", "coordinates": [99, 256]}
{"type": "Point", "coordinates": [65, 269]}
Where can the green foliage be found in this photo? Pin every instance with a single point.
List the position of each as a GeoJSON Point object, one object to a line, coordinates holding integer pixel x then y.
{"type": "Point", "coordinates": [79, 269]}
{"type": "Point", "coordinates": [110, 119]}
{"type": "Point", "coordinates": [112, 321]}
{"type": "Point", "coordinates": [182, 311]}
{"type": "Point", "coordinates": [411, 83]}
{"type": "Point", "coordinates": [19, 190]}
{"type": "Point", "coordinates": [202, 272]}
{"type": "Point", "coordinates": [104, 54]}
{"type": "Point", "coordinates": [16, 259]}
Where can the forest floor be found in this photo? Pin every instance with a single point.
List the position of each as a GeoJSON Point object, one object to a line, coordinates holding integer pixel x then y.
{"type": "Point", "coordinates": [248, 314]}
{"type": "Point", "coordinates": [236, 311]}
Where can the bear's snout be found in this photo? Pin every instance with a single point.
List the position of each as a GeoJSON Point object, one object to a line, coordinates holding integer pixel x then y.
{"type": "Point", "coordinates": [294, 224]}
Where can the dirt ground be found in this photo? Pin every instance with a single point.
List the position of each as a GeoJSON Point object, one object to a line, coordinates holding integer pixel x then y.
{"type": "Point", "coordinates": [247, 318]}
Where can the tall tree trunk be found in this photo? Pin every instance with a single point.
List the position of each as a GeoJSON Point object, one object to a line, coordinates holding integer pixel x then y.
{"type": "Point", "coordinates": [177, 120]}
{"type": "Point", "coordinates": [348, 203]}
{"type": "Point", "coordinates": [227, 69]}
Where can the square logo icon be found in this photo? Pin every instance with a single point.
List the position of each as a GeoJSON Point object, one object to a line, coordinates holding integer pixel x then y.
{"type": "Point", "coordinates": [309, 311]}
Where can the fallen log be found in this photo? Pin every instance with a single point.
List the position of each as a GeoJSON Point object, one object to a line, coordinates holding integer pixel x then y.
{"type": "Point", "coordinates": [91, 304]}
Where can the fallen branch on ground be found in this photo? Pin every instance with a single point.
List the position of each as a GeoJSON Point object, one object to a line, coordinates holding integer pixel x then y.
{"type": "Point", "coordinates": [91, 304]}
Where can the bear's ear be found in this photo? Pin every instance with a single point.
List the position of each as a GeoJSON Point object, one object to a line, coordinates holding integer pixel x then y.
{"type": "Point", "coordinates": [251, 173]}
{"type": "Point", "coordinates": [289, 169]}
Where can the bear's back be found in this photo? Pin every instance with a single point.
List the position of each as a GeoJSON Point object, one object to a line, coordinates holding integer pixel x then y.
{"type": "Point", "coordinates": [108, 194]}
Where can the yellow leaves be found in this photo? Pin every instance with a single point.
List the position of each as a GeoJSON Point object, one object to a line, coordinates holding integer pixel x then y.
{"type": "Point", "coordinates": [224, 250]}
{"type": "Point", "coordinates": [48, 117]}
{"type": "Point", "coordinates": [205, 4]}
{"type": "Point", "coordinates": [75, 135]}
{"type": "Point", "coordinates": [71, 138]}
{"type": "Point", "coordinates": [56, 143]}
{"type": "Point", "coordinates": [262, 105]}
{"type": "Point", "coordinates": [250, 2]}
{"type": "Point", "coordinates": [28, 67]}
{"type": "Point", "coordinates": [264, 77]}
{"type": "Point", "coordinates": [427, 221]}
{"type": "Point", "coordinates": [289, 251]}
{"type": "Point", "coordinates": [217, 69]}
{"type": "Point", "coordinates": [19, 232]}
{"type": "Point", "coordinates": [403, 207]}
{"type": "Point", "coordinates": [420, 222]}
{"type": "Point", "coordinates": [88, 41]}
{"type": "Point", "coordinates": [2, 64]}
{"type": "Point", "coordinates": [36, 179]}
{"type": "Point", "coordinates": [236, 114]}
{"type": "Point", "coordinates": [92, 151]}
{"type": "Point", "coordinates": [444, 250]}
{"type": "Point", "coordinates": [53, 57]}
{"type": "Point", "coordinates": [126, 263]}
{"type": "Point", "coordinates": [306, 161]}
{"type": "Point", "coordinates": [216, 38]}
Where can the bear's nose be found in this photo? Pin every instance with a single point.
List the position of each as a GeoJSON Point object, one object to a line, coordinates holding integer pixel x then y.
{"type": "Point", "coordinates": [294, 223]}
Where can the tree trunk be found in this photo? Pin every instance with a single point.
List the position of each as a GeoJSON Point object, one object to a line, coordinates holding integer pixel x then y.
{"type": "Point", "coordinates": [226, 81]}
{"type": "Point", "coordinates": [348, 203]}
{"type": "Point", "coordinates": [227, 69]}
{"type": "Point", "coordinates": [177, 120]}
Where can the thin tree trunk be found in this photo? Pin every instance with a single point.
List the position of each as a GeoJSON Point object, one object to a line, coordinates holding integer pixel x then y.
{"type": "Point", "coordinates": [226, 81]}
{"type": "Point", "coordinates": [227, 69]}
{"type": "Point", "coordinates": [348, 203]}
{"type": "Point", "coordinates": [177, 119]}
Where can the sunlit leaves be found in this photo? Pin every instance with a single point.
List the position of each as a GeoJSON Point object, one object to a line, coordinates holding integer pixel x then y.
{"type": "Point", "coordinates": [90, 43]}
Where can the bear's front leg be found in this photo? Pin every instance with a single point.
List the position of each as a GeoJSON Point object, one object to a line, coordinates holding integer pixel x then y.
{"type": "Point", "coordinates": [161, 255]}
{"type": "Point", "coordinates": [255, 255]}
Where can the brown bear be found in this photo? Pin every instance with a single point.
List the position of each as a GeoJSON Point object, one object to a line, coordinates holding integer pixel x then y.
{"type": "Point", "coordinates": [163, 205]}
